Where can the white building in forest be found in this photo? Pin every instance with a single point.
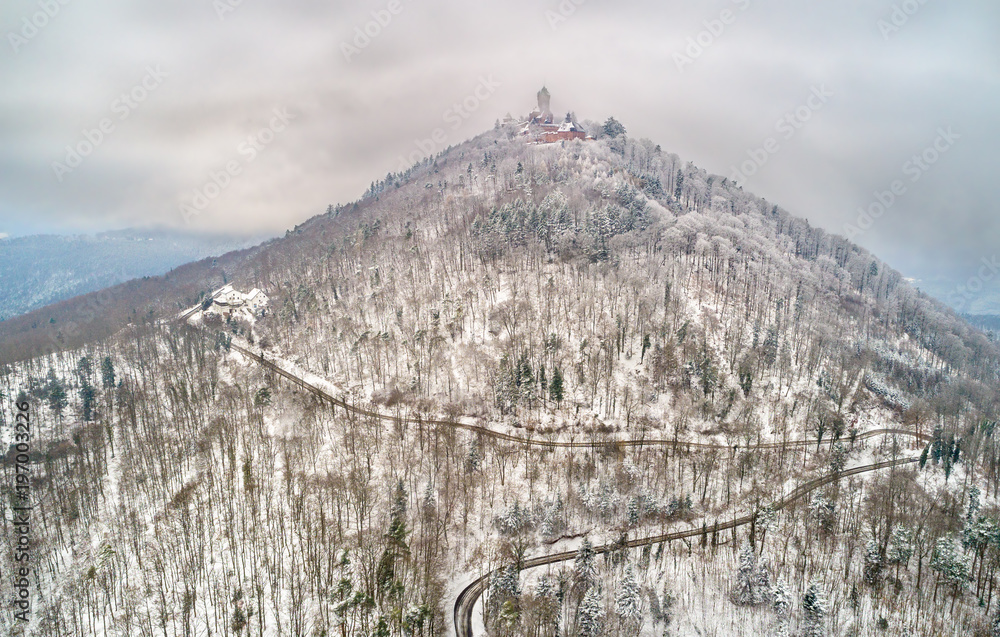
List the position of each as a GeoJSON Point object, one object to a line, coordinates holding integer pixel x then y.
{"type": "Point", "coordinates": [227, 300]}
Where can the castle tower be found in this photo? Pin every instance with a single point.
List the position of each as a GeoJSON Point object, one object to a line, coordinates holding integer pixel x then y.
{"type": "Point", "coordinates": [544, 100]}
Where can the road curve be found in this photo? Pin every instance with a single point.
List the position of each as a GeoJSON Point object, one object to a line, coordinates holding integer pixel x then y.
{"type": "Point", "coordinates": [186, 314]}
{"type": "Point", "coordinates": [470, 595]}
{"type": "Point", "coordinates": [539, 442]}
{"type": "Point", "coordinates": [467, 599]}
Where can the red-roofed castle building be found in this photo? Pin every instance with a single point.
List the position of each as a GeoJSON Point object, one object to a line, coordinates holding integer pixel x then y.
{"type": "Point", "coordinates": [541, 127]}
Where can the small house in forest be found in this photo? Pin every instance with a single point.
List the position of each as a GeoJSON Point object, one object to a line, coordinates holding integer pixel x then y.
{"type": "Point", "coordinates": [228, 300]}
{"type": "Point", "coordinates": [256, 300]}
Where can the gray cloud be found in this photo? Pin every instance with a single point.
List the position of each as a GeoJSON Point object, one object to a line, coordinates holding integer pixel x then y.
{"type": "Point", "coordinates": [355, 119]}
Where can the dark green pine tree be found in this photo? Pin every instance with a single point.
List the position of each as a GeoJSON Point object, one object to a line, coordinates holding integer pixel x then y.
{"type": "Point", "coordinates": [107, 373]}
{"type": "Point", "coordinates": [525, 378]}
{"type": "Point", "coordinates": [556, 387]}
{"type": "Point", "coordinates": [709, 373]}
{"type": "Point", "coordinates": [771, 344]}
{"type": "Point", "coordinates": [936, 446]}
{"type": "Point", "coordinates": [57, 395]}
{"type": "Point", "coordinates": [387, 585]}
{"type": "Point", "coordinates": [814, 610]}
{"type": "Point", "coordinates": [84, 369]}
{"type": "Point", "coordinates": [87, 396]}
{"type": "Point", "coordinates": [613, 128]}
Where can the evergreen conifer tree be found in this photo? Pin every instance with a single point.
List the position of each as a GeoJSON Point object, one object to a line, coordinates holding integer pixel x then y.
{"type": "Point", "coordinates": [584, 568]}
{"type": "Point", "coordinates": [815, 610]}
{"type": "Point", "coordinates": [556, 387]}
{"type": "Point", "coordinates": [591, 613]}
{"type": "Point", "coordinates": [628, 601]}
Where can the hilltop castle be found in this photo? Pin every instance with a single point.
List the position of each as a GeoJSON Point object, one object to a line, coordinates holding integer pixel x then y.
{"type": "Point", "coordinates": [541, 127]}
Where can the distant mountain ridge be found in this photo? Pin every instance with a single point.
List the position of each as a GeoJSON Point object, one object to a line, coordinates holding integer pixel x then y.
{"type": "Point", "coordinates": [986, 322]}
{"type": "Point", "coordinates": [38, 270]}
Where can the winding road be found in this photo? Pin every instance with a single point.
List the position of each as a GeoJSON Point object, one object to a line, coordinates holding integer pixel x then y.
{"type": "Point", "coordinates": [540, 442]}
{"type": "Point", "coordinates": [466, 601]}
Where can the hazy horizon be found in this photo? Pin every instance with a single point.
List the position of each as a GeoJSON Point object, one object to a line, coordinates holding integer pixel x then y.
{"type": "Point", "coordinates": [822, 111]}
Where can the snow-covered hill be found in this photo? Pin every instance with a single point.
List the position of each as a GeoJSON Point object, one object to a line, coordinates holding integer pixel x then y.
{"type": "Point", "coordinates": [517, 347]}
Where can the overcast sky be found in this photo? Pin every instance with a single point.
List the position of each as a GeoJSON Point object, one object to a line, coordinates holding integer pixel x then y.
{"type": "Point", "coordinates": [182, 89]}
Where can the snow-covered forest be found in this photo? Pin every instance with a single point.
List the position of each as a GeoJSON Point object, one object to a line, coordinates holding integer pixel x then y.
{"type": "Point", "coordinates": [574, 347]}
